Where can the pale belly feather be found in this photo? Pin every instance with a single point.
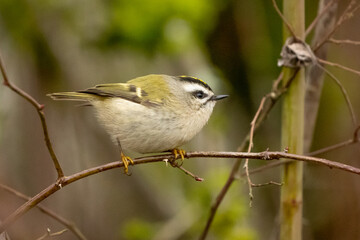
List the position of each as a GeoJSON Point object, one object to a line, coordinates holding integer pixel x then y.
{"type": "Point", "coordinates": [145, 130]}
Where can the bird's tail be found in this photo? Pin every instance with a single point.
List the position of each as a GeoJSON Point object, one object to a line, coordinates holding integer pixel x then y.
{"type": "Point", "coordinates": [72, 96]}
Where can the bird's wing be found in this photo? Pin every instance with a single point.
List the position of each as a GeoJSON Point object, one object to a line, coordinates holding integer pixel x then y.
{"type": "Point", "coordinates": [136, 90]}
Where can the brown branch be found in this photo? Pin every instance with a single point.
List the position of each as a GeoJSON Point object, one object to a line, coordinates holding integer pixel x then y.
{"type": "Point", "coordinates": [268, 183]}
{"type": "Point", "coordinates": [343, 91]}
{"type": "Point", "coordinates": [250, 146]}
{"type": "Point", "coordinates": [347, 14]}
{"type": "Point", "coordinates": [39, 108]}
{"type": "Point", "coordinates": [349, 142]}
{"type": "Point", "coordinates": [159, 158]}
{"type": "Point", "coordinates": [273, 96]}
{"type": "Point", "coordinates": [187, 172]}
{"type": "Point", "coordinates": [288, 26]}
{"type": "Point", "coordinates": [355, 139]}
{"type": "Point", "coordinates": [266, 167]}
{"type": "Point", "coordinates": [318, 17]}
{"type": "Point", "coordinates": [339, 66]}
{"type": "Point", "coordinates": [71, 226]}
{"type": "Point", "coordinates": [344, 41]}
{"type": "Point", "coordinates": [49, 235]}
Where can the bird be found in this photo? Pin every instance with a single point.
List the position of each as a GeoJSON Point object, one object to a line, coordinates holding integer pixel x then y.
{"type": "Point", "coordinates": [149, 114]}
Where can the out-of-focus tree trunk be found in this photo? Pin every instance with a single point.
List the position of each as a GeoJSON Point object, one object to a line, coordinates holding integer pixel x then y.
{"type": "Point", "coordinates": [315, 76]}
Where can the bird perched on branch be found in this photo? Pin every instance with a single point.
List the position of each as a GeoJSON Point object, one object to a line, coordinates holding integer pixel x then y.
{"type": "Point", "coordinates": [153, 113]}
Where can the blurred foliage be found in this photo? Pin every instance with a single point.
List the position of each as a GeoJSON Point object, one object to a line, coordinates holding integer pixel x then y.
{"type": "Point", "coordinates": [50, 45]}
{"type": "Point", "coordinates": [136, 24]}
{"type": "Point", "coordinates": [21, 22]}
{"type": "Point", "coordinates": [137, 229]}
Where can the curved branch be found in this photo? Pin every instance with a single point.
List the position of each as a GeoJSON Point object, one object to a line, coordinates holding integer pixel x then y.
{"type": "Point", "coordinates": [39, 108]}
{"type": "Point", "coordinates": [47, 211]}
{"type": "Point", "coordinates": [322, 12]}
{"type": "Point", "coordinates": [54, 187]}
{"type": "Point", "coordinates": [343, 91]}
{"type": "Point", "coordinates": [348, 13]}
{"type": "Point", "coordinates": [273, 97]}
{"type": "Point", "coordinates": [287, 24]}
{"type": "Point", "coordinates": [344, 41]}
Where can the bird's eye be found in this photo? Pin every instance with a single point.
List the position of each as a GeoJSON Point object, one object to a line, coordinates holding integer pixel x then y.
{"type": "Point", "coordinates": [200, 94]}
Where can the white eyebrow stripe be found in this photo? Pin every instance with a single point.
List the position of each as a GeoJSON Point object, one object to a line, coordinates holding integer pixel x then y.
{"type": "Point", "coordinates": [190, 87]}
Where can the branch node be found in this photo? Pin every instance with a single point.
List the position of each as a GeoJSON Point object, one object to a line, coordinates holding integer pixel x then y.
{"type": "Point", "coordinates": [266, 155]}
{"type": "Point", "coordinates": [174, 163]}
{"type": "Point", "coordinates": [59, 182]}
{"type": "Point", "coordinates": [267, 183]}
{"type": "Point", "coordinates": [273, 95]}
{"type": "Point", "coordinates": [286, 150]}
{"type": "Point", "coordinates": [199, 179]}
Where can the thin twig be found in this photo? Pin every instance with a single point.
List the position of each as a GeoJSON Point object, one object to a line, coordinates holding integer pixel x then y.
{"type": "Point", "coordinates": [276, 83]}
{"type": "Point", "coordinates": [347, 14]}
{"type": "Point", "coordinates": [250, 146]}
{"type": "Point", "coordinates": [339, 66]}
{"type": "Point", "coordinates": [187, 172]}
{"type": "Point", "coordinates": [39, 108]}
{"type": "Point", "coordinates": [159, 158]}
{"type": "Point", "coordinates": [266, 167]}
{"type": "Point", "coordinates": [49, 235]}
{"type": "Point", "coordinates": [273, 96]}
{"type": "Point", "coordinates": [344, 41]}
{"type": "Point", "coordinates": [318, 17]}
{"type": "Point", "coordinates": [71, 226]}
{"type": "Point", "coordinates": [355, 139]}
{"type": "Point", "coordinates": [267, 183]}
{"type": "Point", "coordinates": [284, 19]}
{"type": "Point", "coordinates": [343, 91]}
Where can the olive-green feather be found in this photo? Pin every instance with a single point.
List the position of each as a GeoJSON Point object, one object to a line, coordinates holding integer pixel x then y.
{"type": "Point", "coordinates": [72, 96]}
{"type": "Point", "coordinates": [158, 89]}
{"type": "Point", "coordinates": [136, 90]}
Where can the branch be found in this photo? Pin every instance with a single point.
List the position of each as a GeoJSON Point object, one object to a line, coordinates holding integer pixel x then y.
{"type": "Point", "coordinates": [355, 139]}
{"type": "Point", "coordinates": [250, 146]}
{"type": "Point", "coordinates": [49, 235]}
{"type": "Point", "coordinates": [47, 211]}
{"type": "Point", "coordinates": [284, 19]}
{"type": "Point", "coordinates": [273, 97]}
{"type": "Point", "coordinates": [39, 108]}
{"type": "Point", "coordinates": [339, 66]}
{"type": "Point", "coordinates": [349, 142]}
{"type": "Point", "coordinates": [318, 17]}
{"type": "Point", "coordinates": [344, 41]}
{"type": "Point", "coordinates": [343, 91]}
{"type": "Point", "coordinates": [347, 14]}
{"type": "Point", "coordinates": [51, 189]}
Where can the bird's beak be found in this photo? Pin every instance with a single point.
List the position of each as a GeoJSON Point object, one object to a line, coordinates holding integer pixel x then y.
{"type": "Point", "coordinates": [218, 97]}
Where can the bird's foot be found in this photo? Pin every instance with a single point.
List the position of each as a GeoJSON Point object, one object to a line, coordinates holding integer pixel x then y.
{"type": "Point", "coordinates": [178, 153]}
{"type": "Point", "coordinates": [126, 161]}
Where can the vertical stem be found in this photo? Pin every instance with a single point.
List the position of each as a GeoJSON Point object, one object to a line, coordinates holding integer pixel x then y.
{"type": "Point", "coordinates": [292, 133]}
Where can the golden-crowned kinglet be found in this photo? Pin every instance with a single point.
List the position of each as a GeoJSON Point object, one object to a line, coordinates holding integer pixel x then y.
{"type": "Point", "coordinates": [153, 113]}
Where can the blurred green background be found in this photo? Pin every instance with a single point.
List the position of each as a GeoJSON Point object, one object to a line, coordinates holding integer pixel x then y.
{"type": "Point", "coordinates": [51, 46]}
